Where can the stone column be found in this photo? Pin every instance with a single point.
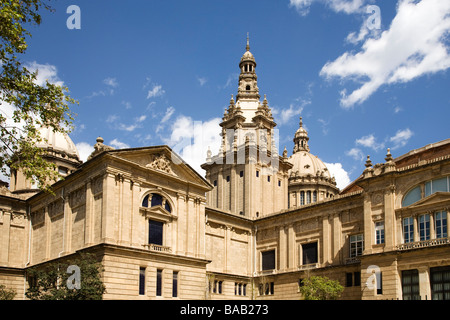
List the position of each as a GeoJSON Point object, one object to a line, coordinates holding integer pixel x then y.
{"type": "Point", "coordinates": [389, 219]}
{"type": "Point", "coordinates": [432, 231]}
{"type": "Point", "coordinates": [368, 225]}
{"type": "Point", "coordinates": [326, 243]}
{"type": "Point", "coordinates": [424, 283]}
{"type": "Point", "coordinates": [5, 217]}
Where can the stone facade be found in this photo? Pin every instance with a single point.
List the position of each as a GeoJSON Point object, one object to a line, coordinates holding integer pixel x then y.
{"type": "Point", "coordinates": [253, 228]}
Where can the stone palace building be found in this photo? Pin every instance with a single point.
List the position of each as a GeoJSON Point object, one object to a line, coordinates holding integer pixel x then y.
{"type": "Point", "coordinates": [253, 228]}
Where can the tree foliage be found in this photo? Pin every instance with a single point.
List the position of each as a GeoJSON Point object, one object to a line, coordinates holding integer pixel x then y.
{"type": "Point", "coordinates": [49, 282]}
{"type": "Point", "coordinates": [6, 294]}
{"type": "Point", "coordinates": [25, 104]}
{"type": "Point", "coordinates": [320, 288]}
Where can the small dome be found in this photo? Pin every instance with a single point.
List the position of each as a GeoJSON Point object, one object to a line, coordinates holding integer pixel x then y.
{"type": "Point", "coordinates": [305, 163]}
{"type": "Point", "coordinates": [248, 56]}
{"type": "Point", "coordinates": [58, 142]}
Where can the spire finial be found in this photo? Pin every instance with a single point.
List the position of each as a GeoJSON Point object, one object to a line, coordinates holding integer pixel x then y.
{"type": "Point", "coordinates": [301, 122]}
{"type": "Point", "coordinates": [248, 43]}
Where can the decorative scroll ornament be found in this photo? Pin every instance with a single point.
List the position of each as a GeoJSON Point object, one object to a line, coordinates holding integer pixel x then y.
{"type": "Point", "coordinates": [161, 163]}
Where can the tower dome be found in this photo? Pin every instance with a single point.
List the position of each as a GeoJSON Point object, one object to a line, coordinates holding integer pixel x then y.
{"type": "Point", "coordinates": [309, 179]}
{"type": "Point", "coordinates": [58, 149]}
{"type": "Point", "coordinates": [59, 143]}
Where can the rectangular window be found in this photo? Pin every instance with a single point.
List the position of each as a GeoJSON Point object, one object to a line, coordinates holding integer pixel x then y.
{"type": "Point", "coordinates": [155, 232]}
{"type": "Point", "coordinates": [257, 173]}
{"type": "Point", "coordinates": [349, 279]}
{"type": "Point", "coordinates": [268, 260]}
{"type": "Point", "coordinates": [308, 197]}
{"type": "Point", "coordinates": [408, 229]}
{"type": "Point", "coordinates": [309, 253]}
{"type": "Point", "coordinates": [175, 284]}
{"type": "Point", "coordinates": [424, 227]}
{"type": "Point", "coordinates": [356, 245]}
{"type": "Point", "coordinates": [353, 279]}
{"type": "Point", "coordinates": [141, 280]}
{"type": "Point", "coordinates": [379, 232]}
{"type": "Point", "coordinates": [357, 276]}
{"type": "Point", "coordinates": [440, 221]}
{"type": "Point", "coordinates": [302, 198]}
{"type": "Point", "coordinates": [268, 178]}
{"type": "Point", "coordinates": [410, 285]}
{"type": "Point", "coordinates": [158, 282]}
{"type": "Point", "coordinates": [241, 174]}
{"type": "Point", "coordinates": [279, 183]}
{"type": "Point", "coordinates": [440, 283]}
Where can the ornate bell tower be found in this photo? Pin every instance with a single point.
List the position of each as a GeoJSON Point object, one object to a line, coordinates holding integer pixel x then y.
{"type": "Point", "coordinates": [248, 175]}
{"type": "Point", "coordinates": [248, 81]}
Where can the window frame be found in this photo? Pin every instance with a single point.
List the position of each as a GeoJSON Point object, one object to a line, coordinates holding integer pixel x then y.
{"type": "Point", "coordinates": [441, 230]}
{"type": "Point", "coordinates": [267, 253]}
{"type": "Point", "coordinates": [424, 227]}
{"type": "Point", "coordinates": [408, 229]}
{"type": "Point", "coordinates": [379, 232]}
{"type": "Point", "coordinates": [359, 245]}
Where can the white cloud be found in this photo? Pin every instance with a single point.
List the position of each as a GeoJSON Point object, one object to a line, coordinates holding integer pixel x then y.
{"type": "Point", "coordinates": [112, 82]}
{"type": "Point", "coordinates": [370, 142]}
{"type": "Point", "coordinates": [127, 104]}
{"type": "Point", "coordinates": [338, 172]}
{"type": "Point", "coordinates": [284, 115]}
{"type": "Point", "coordinates": [191, 139]}
{"type": "Point", "coordinates": [84, 150]}
{"type": "Point", "coordinates": [356, 154]}
{"type": "Point", "coordinates": [168, 114]}
{"type": "Point", "coordinates": [346, 6]}
{"type": "Point", "coordinates": [156, 91]}
{"type": "Point", "coordinates": [401, 138]}
{"type": "Point", "coordinates": [118, 144]}
{"type": "Point", "coordinates": [45, 72]}
{"type": "Point", "coordinates": [141, 118]}
{"type": "Point", "coordinates": [231, 78]}
{"type": "Point", "coordinates": [112, 118]}
{"type": "Point", "coordinates": [202, 81]}
{"type": "Point", "coordinates": [412, 47]}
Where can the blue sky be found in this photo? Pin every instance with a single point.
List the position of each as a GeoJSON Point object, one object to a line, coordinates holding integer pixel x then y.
{"type": "Point", "coordinates": [144, 71]}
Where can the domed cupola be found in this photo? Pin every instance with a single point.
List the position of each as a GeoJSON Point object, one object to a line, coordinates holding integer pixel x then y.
{"type": "Point", "coordinates": [59, 149]}
{"type": "Point", "coordinates": [301, 139]}
{"type": "Point", "coordinates": [309, 179]}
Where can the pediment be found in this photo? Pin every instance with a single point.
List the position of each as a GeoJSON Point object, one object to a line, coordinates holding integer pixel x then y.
{"type": "Point", "coordinates": [163, 160]}
{"type": "Point", "coordinates": [157, 213]}
{"type": "Point", "coordinates": [432, 200]}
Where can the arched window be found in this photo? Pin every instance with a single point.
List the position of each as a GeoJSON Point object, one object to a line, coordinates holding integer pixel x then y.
{"type": "Point", "coordinates": [247, 88]}
{"type": "Point", "coordinates": [430, 187]}
{"type": "Point", "coordinates": [156, 199]}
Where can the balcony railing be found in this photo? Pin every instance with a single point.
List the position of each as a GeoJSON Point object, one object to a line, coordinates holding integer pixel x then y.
{"type": "Point", "coordinates": [308, 266]}
{"type": "Point", "coordinates": [352, 260]}
{"type": "Point", "coordinates": [423, 244]}
{"type": "Point", "coordinates": [157, 248]}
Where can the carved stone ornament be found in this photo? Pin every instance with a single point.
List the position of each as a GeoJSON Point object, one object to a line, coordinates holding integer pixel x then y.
{"type": "Point", "coordinates": [161, 163]}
